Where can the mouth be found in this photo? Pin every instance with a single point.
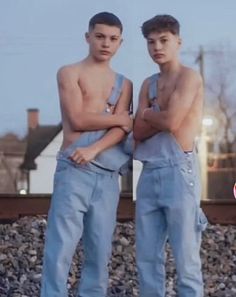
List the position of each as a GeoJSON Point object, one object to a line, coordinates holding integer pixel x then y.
{"type": "Point", "coordinates": [158, 56]}
{"type": "Point", "coordinates": [106, 53]}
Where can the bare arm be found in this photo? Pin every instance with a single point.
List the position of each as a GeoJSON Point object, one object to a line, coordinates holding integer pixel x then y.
{"type": "Point", "coordinates": [179, 104]}
{"type": "Point", "coordinates": [143, 129]}
{"type": "Point", "coordinates": [72, 106]}
{"type": "Point", "coordinates": [113, 136]}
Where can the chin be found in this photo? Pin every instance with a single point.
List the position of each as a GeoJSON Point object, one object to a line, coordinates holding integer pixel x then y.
{"type": "Point", "coordinates": [103, 59]}
{"type": "Point", "coordinates": [160, 61]}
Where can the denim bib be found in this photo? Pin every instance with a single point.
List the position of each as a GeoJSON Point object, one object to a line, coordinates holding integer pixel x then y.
{"type": "Point", "coordinates": [162, 147]}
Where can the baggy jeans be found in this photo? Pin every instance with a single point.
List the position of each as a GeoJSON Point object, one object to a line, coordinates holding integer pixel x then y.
{"type": "Point", "coordinates": [84, 204]}
{"type": "Point", "coordinates": [168, 206]}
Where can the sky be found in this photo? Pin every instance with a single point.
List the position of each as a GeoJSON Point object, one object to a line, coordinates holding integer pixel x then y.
{"type": "Point", "coordinates": [38, 37]}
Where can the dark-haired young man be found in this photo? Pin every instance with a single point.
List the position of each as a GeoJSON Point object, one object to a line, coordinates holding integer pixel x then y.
{"type": "Point", "coordinates": [168, 192]}
{"type": "Point", "coordinates": [94, 105]}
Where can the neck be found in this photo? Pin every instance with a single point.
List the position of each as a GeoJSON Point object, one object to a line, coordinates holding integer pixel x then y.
{"type": "Point", "coordinates": [170, 67]}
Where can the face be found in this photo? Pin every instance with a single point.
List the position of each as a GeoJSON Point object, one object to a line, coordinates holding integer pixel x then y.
{"type": "Point", "coordinates": [103, 41]}
{"type": "Point", "coordinates": [163, 47]}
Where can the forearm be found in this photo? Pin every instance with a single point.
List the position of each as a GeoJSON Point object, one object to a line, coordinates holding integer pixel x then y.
{"type": "Point", "coordinates": [111, 138]}
{"type": "Point", "coordinates": [88, 121]}
{"type": "Point", "coordinates": [143, 130]}
{"type": "Point", "coordinates": [157, 120]}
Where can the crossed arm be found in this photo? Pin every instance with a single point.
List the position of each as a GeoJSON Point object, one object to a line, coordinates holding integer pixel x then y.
{"type": "Point", "coordinates": [117, 123]}
{"type": "Point", "coordinates": [142, 129]}
{"type": "Point", "coordinates": [112, 137]}
{"type": "Point", "coordinates": [71, 100]}
{"type": "Point", "coordinates": [149, 122]}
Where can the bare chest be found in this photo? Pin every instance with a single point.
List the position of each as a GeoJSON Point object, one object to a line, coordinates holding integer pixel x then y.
{"type": "Point", "coordinates": [95, 93]}
{"type": "Point", "coordinates": [164, 91]}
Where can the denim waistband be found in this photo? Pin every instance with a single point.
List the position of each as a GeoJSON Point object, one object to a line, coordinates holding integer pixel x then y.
{"type": "Point", "coordinates": [168, 162]}
{"type": "Point", "coordinates": [61, 156]}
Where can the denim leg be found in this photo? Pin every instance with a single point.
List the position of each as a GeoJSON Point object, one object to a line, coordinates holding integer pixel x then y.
{"type": "Point", "coordinates": [72, 191]}
{"type": "Point", "coordinates": [99, 224]}
{"type": "Point", "coordinates": [185, 241]}
{"type": "Point", "coordinates": [185, 223]}
{"type": "Point", "coordinates": [151, 236]}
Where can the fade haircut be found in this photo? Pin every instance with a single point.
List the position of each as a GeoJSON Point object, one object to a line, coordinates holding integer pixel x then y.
{"type": "Point", "coordinates": [105, 18]}
{"type": "Point", "coordinates": [161, 23]}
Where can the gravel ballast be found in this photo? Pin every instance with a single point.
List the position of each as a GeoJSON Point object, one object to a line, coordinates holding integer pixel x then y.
{"type": "Point", "coordinates": [21, 250]}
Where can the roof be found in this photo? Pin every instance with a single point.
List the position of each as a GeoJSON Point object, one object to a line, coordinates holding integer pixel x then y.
{"type": "Point", "coordinates": [11, 144]}
{"type": "Point", "coordinates": [38, 140]}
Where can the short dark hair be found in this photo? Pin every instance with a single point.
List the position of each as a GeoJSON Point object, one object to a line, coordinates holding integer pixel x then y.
{"type": "Point", "coordinates": [161, 23]}
{"type": "Point", "coordinates": [105, 18]}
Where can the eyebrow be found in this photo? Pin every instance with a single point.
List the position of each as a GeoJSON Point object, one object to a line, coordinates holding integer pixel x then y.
{"type": "Point", "coordinates": [162, 36]}
{"type": "Point", "coordinates": [100, 33]}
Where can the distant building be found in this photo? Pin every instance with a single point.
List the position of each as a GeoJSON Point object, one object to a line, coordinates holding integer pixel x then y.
{"type": "Point", "coordinates": [12, 151]}
{"type": "Point", "coordinates": [43, 142]}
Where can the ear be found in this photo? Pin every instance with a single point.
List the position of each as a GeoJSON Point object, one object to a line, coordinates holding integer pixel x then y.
{"type": "Point", "coordinates": [180, 41]}
{"type": "Point", "coordinates": [121, 41]}
{"type": "Point", "coordinates": [87, 36]}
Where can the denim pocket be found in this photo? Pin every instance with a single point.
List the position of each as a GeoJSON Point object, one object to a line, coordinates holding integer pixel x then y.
{"type": "Point", "coordinates": [61, 166]}
{"type": "Point", "coordinates": [60, 172]}
{"type": "Point", "coordinates": [201, 220]}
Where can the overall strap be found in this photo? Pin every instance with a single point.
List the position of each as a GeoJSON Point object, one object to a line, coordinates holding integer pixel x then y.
{"type": "Point", "coordinates": [152, 91]}
{"type": "Point", "coordinates": [116, 91]}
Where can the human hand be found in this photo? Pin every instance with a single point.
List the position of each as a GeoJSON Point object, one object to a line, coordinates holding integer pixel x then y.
{"type": "Point", "coordinates": [127, 125]}
{"type": "Point", "coordinates": [144, 112]}
{"type": "Point", "coordinates": [83, 155]}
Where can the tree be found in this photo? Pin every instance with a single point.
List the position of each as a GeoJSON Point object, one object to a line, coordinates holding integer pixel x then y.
{"type": "Point", "coordinates": [221, 92]}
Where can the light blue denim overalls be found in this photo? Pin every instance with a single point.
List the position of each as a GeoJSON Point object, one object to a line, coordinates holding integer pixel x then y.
{"type": "Point", "coordinates": [84, 204]}
{"type": "Point", "coordinates": [168, 205]}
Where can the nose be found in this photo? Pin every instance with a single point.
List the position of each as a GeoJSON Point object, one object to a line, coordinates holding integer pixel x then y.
{"type": "Point", "coordinates": [105, 42]}
{"type": "Point", "coordinates": [157, 46]}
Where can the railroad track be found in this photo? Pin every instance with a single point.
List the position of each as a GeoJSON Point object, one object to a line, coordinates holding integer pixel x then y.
{"type": "Point", "coordinates": [13, 206]}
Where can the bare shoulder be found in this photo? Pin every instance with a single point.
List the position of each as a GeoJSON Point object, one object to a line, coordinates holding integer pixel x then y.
{"type": "Point", "coordinates": [143, 93]}
{"type": "Point", "coordinates": [148, 80]}
{"type": "Point", "coordinates": [190, 76]}
{"type": "Point", "coordinates": [145, 84]}
{"type": "Point", "coordinates": [68, 73]}
{"type": "Point", "coordinates": [127, 85]}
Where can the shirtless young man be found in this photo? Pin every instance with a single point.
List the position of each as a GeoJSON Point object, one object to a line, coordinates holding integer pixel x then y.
{"type": "Point", "coordinates": [168, 192]}
{"type": "Point", "coordinates": [94, 104]}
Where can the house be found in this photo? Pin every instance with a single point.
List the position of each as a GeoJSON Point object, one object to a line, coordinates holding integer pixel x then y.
{"type": "Point", "coordinates": [12, 151]}
{"type": "Point", "coordinates": [39, 163]}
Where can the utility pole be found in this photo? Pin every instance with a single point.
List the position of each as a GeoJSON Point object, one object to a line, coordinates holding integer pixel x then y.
{"type": "Point", "coordinates": [203, 149]}
{"type": "Point", "coordinates": [200, 61]}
